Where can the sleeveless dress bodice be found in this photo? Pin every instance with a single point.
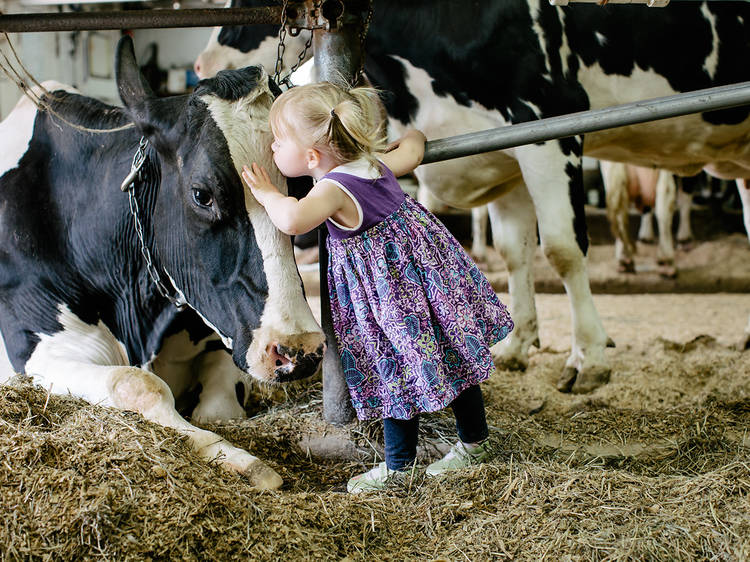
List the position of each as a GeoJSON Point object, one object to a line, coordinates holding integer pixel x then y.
{"type": "Point", "coordinates": [414, 317]}
{"type": "Point", "coordinates": [376, 193]}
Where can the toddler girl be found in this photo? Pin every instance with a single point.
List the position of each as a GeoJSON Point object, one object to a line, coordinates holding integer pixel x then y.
{"type": "Point", "coordinates": [414, 317]}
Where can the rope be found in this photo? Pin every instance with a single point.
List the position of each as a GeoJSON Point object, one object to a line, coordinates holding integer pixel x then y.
{"type": "Point", "coordinates": [20, 80]}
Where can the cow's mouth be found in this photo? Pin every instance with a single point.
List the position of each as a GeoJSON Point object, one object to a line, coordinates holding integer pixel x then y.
{"type": "Point", "coordinates": [291, 365]}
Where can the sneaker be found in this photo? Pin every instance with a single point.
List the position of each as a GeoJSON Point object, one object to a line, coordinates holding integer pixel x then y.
{"type": "Point", "coordinates": [460, 456]}
{"type": "Point", "coordinates": [374, 479]}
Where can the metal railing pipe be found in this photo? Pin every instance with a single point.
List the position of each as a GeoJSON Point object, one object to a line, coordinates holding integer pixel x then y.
{"type": "Point", "coordinates": [139, 19]}
{"type": "Point", "coordinates": [699, 101]}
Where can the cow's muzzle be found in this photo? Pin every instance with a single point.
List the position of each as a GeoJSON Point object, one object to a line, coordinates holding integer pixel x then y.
{"type": "Point", "coordinates": [277, 358]}
{"type": "Point", "coordinates": [291, 365]}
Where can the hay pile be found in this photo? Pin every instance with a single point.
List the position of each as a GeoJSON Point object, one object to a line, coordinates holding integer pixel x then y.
{"type": "Point", "coordinates": [587, 481]}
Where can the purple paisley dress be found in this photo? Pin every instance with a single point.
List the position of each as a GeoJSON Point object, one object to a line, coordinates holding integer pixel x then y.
{"type": "Point", "coordinates": [414, 317]}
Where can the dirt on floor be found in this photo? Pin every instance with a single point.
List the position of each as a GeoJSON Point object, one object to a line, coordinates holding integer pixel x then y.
{"type": "Point", "coordinates": [654, 465]}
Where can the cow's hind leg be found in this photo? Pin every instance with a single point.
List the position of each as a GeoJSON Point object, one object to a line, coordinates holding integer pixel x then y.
{"type": "Point", "coordinates": [479, 233]}
{"type": "Point", "coordinates": [138, 390]}
{"type": "Point", "coordinates": [513, 225]}
{"type": "Point", "coordinates": [684, 208]}
{"type": "Point", "coordinates": [744, 191]}
{"type": "Point", "coordinates": [615, 179]}
{"type": "Point", "coordinates": [646, 226]}
{"type": "Point", "coordinates": [666, 195]}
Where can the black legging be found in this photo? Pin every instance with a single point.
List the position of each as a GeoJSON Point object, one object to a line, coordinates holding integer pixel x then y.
{"type": "Point", "coordinates": [401, 435]}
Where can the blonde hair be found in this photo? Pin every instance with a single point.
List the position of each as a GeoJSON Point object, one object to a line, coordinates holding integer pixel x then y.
{"type": "Point", "coordinates": [346, 124]}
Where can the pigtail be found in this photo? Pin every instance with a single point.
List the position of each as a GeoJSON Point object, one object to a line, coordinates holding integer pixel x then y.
{"type": "Point", "coordinates": [358, 125]}
{"type": "Point", "coordinates": [348, 124]}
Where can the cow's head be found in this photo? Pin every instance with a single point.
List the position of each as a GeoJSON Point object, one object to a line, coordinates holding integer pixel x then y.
{"type": "Point", "coordinates": [215, 242]}
{"type": "Point", "coordinates": [238, 46]}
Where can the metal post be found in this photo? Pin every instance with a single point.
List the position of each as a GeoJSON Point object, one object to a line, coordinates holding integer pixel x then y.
{"type": "Point", "coordinates": [698, 101]}
{"type": "Point", "coordinates": [138, 19]}
{"type": "Point", "coordinates": [337, 55]}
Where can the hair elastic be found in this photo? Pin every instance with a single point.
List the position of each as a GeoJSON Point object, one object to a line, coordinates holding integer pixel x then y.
{"type": "Point", "coordinates": [333, 112]}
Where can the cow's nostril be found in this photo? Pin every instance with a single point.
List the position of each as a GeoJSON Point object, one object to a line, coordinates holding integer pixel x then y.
{"type": "Point", "coordinates": [273, 352]}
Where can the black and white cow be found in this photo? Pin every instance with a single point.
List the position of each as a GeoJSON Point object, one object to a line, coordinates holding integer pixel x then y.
{"type": "Point", "coordinates": [79, 309]}
{"type": "Point", "coordinates": [450, 67]}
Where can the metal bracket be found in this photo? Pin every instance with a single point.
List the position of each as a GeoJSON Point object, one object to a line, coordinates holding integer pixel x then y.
{"type": "Point", "coordinates": [327, 15]}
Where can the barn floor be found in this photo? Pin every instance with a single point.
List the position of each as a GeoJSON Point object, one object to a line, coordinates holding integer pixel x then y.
{"type": "Point", "coordinates": [653, 466]}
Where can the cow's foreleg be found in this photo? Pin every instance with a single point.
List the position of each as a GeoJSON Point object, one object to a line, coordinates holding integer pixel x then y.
{"type": "Point", "coordinates": [130, 388]}
{"type": "Point", "coordinates": [666, 195]}
{"type": "Point", "coordinates": [562, 230]}
{"type": "Point", "coordinates": [513, 225]}
{"type": "Point", "coordinates": [138, 390]}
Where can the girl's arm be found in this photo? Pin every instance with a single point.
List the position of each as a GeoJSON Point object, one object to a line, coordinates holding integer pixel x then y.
{"type": "Point", "coordinates": [290, 215]}
{"type": "Point", "coordinates": [406, 153]}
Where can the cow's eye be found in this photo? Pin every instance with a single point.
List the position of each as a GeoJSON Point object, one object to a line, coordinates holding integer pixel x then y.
{"type": "Point", "coordinates": [202, 197]}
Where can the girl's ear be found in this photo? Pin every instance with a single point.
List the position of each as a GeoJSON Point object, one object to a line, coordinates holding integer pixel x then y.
{"type": "Point", "coordinates": [312, 158]}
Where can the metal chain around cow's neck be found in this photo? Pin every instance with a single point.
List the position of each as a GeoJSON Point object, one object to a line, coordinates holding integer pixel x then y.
{"type": "Point", "coordinates": [129, 185]}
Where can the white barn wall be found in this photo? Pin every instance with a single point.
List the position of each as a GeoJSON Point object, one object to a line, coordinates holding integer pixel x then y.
{"type": "Point", "coordinates": [178, 47]}
{"type": "Point", "coordinates": [65, 56]}
{"type": "Point", "coordinates": [60, 56]}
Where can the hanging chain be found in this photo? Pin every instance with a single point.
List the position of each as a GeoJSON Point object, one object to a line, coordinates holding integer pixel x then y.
{"type": "Point", "coordinates": [281, 48]}
{"type": "Point", "coordinates": [129, 185]}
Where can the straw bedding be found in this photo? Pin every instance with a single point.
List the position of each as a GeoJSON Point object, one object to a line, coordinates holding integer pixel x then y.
{"type": "Point", "coordinates": [654, 466]}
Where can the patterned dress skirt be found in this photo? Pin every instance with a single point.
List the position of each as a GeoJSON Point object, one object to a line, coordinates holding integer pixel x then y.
{"type": "Point", "coordinates": [414, 317]}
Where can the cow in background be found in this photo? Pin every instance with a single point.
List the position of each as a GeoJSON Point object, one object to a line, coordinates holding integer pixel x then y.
{"type": "Point", "coordinates": [472, 66]}
{"type": "Point", "coordinates": [201, 290]}
{"type": "Point", "coordinates": [627, 185]}
{"type": "Point", "coordinates": [684, 204]}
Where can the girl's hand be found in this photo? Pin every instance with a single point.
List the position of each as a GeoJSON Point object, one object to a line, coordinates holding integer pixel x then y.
{"type": "Point", "coordinates": [406, 153]}
{"type": "Point", "coordinates": [259, 183]}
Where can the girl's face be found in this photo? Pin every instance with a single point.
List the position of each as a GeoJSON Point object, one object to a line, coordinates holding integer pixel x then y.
{"type": "Point", "coordinates": [289, 156]}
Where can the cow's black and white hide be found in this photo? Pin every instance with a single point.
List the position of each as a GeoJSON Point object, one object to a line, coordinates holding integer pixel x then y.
{"type": "Point", "coordinates": [79, 310]}
{"type": "Point", "coordinates": [450, 67]}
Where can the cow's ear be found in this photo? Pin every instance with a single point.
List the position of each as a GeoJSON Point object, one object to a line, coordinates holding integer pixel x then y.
{"type": "Point", "coordinates": [131, 84]}
{"type": "Point", "coordinates": [138, 98]}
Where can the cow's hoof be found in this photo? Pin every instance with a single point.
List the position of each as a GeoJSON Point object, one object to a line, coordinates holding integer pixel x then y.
{"type": "Point", "coordinates": [626, 266]}
{"type": "Point", "coordinates": [567, 379]}
{"type": "Point", "coordinates": [686, 245]}
{"type": "Point", "coordinates": [667, 271]}
{"type": "Point", "coordinates": [590, 380]}
{"type": "Point", "coordinates": [510, 363]}
{"type": "Point", "coordinates": [263, 476]}
{"type": "Point", "coordinates": [744, 343]}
